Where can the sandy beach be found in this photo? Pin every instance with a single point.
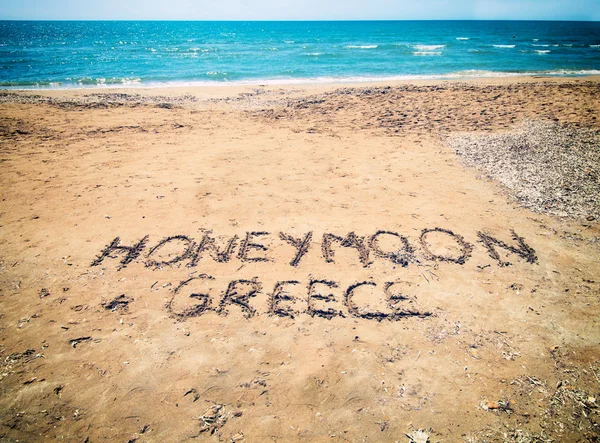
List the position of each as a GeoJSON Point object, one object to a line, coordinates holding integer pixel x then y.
{"type": "Point", "coordinates": [301, 262]}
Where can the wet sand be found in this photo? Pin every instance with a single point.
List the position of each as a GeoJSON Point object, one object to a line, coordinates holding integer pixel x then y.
{"type": "Point", "coordinates": [287, 263]}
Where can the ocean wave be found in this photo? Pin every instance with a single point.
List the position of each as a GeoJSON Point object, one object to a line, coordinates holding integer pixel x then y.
{"type": "Point", "coordinates": [103, 81]}
{"type": "Point", "coordinates": [215, 80]}
{"type": "Point", "coordinates": [195, 49]}
{"type": "Point", "coordinates": [428, 47]}
{"type": "Point", "coordinates": [542, 46]}
{"type": "Point", "coordinates": [504, 46]}
{"type": "Point", "coordinates": [594, 46]}
{"type": "Point", "coordinates": [361, 46]}
{"type": "Point", "coordinates": [328, 55]}
{"type": "Point", "coordinates": [288, 42]}
{"type": "Point", "coordinates": [426, 53]}
{"type": "Point", "coordinates": [546, 51]}
{"type": "Point", "coordinates": [462, 38]}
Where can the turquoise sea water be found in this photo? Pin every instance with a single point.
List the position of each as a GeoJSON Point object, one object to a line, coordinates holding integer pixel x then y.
{"type": "Point", "coordinates": [73, 54]}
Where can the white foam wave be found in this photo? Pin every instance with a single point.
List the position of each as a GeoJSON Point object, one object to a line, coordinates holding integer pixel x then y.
{"type": "Point", "coordinates": [428, 47]}
{"type": "Point", "coordinates": [594, 46]}
{"type": "Point", "coordinates": [504, 46]}
{"type": "Point", "coordinates": [314, 54]}
{"type": "Point", "coordinates": [462, 38]}
{"type": "Point", "coordinates": [542, 46]}
{"type": "Point", "coordinates": [194, 50]}
{"type": "Point", "coordinates": [546, 51]}
{"type": "Point", "coordinates": [426, 53]}
{"type": "Point", "coordinates": [137, 83]}
{"type": "Point", "coordinates": [361, 46]}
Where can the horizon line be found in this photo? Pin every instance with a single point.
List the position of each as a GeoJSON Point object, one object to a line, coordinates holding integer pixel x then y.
{"type": "Point", "coordinates": [288, 20]}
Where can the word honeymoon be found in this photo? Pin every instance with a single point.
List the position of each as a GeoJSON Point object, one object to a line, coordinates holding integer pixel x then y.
{"type": "Point", "coordinates": [253, 248]}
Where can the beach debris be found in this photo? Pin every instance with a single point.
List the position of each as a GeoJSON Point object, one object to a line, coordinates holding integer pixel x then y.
{"type": "Point", "coordinates": [144, 429]}
{"type": "Point", "coordinates": [500, 405]}
{"type": "Point", "coordinates": [418, 436]}
{"type": "Point", "coordinates": [75, 341]}
{"type": "Point", "coordinates": [23, 321]}
{"type": "Point", "coordinates": [547, 167]}
{"type": "Point", "coordinates": [101, 100]}
{"type": "Point", "coordinates": [383, 425]}
{"type": "Point", "coordinates": [192, 391]}
{"type": "Point", "coordinates": [213, 419]}
{"type": "Point", "coordinates": [44, 292]}
{"type": "Point", "coordinates": [119, 303]}
{"type": "Point", "coordinates": [16, 359]}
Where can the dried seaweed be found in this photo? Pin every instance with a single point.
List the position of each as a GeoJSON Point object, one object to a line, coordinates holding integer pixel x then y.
{"type": "Point", "coordinates": [281, 295]}
{"type": "Point", "coordinates": [522, 250]}
{"type": "Point", "coordinates": [247, 245]}
{"type": "Point", "coordinates": [548, 167]}
{"type": "Point", "coordinates": [301, 245]}
{"type": "Point", "coordinates": [132, 252]}
{"type": "Point", "coordinates": [233, 297]}
{"type": "Point", "coordinates": [195, 310]}
{"type": "Point", "coordinates": [400, 257]}
{"type": "Point", "coordinates": [185, 254]}
{"type": "Point", "coordinates": [466, 247]}
{"type": "Point", "coordinates": [313, 311]}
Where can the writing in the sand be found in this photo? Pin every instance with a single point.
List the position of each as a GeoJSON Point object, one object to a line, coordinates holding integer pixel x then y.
{"type": "Point", "coordinates": [255, 247]}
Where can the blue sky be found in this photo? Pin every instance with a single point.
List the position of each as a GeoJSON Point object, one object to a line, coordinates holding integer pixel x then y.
{"type": "Point", "coordinates": [299, 9]}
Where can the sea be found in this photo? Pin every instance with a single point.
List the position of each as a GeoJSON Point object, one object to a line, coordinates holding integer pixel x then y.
{"type": "Point", "coordinates": [71, 54]}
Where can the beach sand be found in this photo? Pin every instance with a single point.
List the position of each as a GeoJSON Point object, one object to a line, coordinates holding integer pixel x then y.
{"type": "Point", "coordinates": [313, 263]}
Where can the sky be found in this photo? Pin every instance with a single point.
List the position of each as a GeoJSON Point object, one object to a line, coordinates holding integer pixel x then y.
{"type": "Point", "coordinates": [300, 10]}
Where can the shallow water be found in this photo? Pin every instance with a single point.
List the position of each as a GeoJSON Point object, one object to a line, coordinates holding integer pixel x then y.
{"type": "Point", "coordinates": [67, 54]}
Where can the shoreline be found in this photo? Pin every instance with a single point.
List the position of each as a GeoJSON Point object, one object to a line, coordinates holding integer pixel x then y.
{"type": "Point", "coordinates": [228, 90]}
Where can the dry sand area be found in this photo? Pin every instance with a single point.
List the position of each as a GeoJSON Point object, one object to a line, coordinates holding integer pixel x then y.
{"type": "Point", "coordinates": [299, 263]}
